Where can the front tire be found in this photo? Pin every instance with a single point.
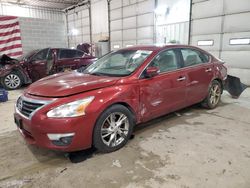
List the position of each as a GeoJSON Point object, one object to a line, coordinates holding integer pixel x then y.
{"type": "Point", "coordinates": [13, 80]}
{"type": "Point", "coordinates": [214, 95]}
{"type": "Point", "coordinates": [113, 129]}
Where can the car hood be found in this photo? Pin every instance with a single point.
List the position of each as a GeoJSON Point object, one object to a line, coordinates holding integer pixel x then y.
{"type": "Point", "coordinates": [70, 83]}
{"type": "Point", "coordinates": [6, 60]}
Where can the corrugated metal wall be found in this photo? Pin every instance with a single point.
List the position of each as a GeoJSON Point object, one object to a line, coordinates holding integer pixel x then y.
{"type": "Point", "coordinates": [78, 21]}
{"type": "Point", "coordinates": [132, 22]}
{"type": "Point", "coordinates": [216, 22]}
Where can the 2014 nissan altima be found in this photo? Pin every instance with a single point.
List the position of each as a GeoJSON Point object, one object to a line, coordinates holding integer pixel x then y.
{"type": "Point", "coordinates": [100, 106]}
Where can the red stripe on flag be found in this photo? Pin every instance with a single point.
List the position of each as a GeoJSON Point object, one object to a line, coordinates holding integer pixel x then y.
{"type": "Point", "coordinates": [10, 32]}
{"type": "Point", "coordinates": [15, 54]}
{"type": "Point", "coordinates": [4, 18]}
{"type": "Point", "coordinates": [11, 47]}
{"type": "Point", "coordinates": [9, 25]}
{"type": "Point", "coordinates": [10, 40]}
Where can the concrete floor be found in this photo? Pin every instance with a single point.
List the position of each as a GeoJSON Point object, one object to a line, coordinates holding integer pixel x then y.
{"type": "Point", "coordinates": [192, 148]}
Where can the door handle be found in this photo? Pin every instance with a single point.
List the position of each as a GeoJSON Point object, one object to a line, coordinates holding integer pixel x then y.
{"type": "Point", "coordinates": [181, 78]}
{"type": "Point", "coordinates": [77, 60]}
{"type": "Point", "coordinates": [208, 70]}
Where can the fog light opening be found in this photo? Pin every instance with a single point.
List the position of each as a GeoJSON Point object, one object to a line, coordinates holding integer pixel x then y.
{"type": "Point", "coordinates": [66, 140]}
{"type": "Point", "coordinates": [61, 139]}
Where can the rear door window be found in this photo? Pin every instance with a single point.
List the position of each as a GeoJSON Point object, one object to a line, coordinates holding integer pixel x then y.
{"type": "Point", "coordinates": [79, 54]}
{"type": "Point", "coordinates": [193, 57]}
{"type": "Point", "coordinates": [67, 54]}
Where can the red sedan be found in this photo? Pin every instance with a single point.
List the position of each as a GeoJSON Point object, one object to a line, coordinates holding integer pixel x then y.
{"type": "Point", "coordinates": [100, 106]}
{"type": "Point", "coordinates": [39, 64]}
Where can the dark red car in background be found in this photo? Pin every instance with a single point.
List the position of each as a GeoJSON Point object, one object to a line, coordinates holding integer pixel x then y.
{"type": "Point", "coordinates": [40, 63]}
{"type": "Point", "coordinates": [100, 106]}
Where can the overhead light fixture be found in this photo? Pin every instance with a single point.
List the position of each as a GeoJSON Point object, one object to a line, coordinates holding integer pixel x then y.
{"type": "Point", "coordinates": [205, 43]}
{"type": "Point", "coordinates": [242, 41]}
{"type": "Point", "coordinates": [74, 32]}
{"type": "Point", "coordinates": [116, 46]}
{"type": "Point", "coordinates": [129, 45]}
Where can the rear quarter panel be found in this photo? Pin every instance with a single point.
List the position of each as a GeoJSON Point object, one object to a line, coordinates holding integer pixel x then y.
{"type": "Point", "coordinates": [220, 71]}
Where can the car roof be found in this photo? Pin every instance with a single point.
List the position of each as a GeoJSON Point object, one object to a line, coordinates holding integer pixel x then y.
{"type": "Point", "coordinates": [64, 49]}
{"type": "Point", "coordinates": [159, 47]}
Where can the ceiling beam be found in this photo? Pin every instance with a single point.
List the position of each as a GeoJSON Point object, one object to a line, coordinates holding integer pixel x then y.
{"type": "Point", "coordinates": [56, 2]}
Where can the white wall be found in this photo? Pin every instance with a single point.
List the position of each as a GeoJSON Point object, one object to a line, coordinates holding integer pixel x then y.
{"type": "Point", "coordinates": [178, 11]}
{"type": "Point", "coordinates": [41, 33]}
{"type": "Point", "coordinates": [40, 28]}
{"type": "Point", "coordinates": [99, 14]}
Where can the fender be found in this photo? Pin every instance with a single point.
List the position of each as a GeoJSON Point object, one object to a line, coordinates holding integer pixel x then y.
{"type": "Point", "coordinates": [25, 75]}
{"type": "Point", "coordinates": [118, 95]}
{"type": "Point", "coordinates": [16, 67]}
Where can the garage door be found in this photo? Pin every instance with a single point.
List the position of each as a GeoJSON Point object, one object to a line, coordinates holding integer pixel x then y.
{"type": "Point", "coordinates": [132, 22]}
{"type": "Point", "coordinates": [223, 28]}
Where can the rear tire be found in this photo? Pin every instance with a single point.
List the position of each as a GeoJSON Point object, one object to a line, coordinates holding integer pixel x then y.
{"type": "Point", "coordinates": [11, 81]}
{"type": "Point", "coordinates": [113, 129]}
{"type": "Point", "coordinates": [214, 95]}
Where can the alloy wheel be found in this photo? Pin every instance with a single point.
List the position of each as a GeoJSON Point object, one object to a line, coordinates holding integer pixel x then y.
{"type": "Point", "coordinates": [12, 81]}
{"type": "Point", "coordinates": [114, 129]}
{"type": "Point", "coordinates": [215, 94]}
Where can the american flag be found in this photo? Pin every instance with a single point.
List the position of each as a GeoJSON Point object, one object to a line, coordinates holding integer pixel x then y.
{"type": "Point", "coordinates": [10, 36]}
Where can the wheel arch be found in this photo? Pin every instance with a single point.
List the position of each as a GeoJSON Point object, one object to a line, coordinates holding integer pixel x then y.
{"type": "Point", "coordinates": [128, 107]}
{"type": "Point", "coordinates": [24, 77]}
{"type": "Point", "coordinates": [125, 104]}
{"type": "Point", "coordinates": [109, 106]}
{"type": "Point", "coordinates": [220, 81]}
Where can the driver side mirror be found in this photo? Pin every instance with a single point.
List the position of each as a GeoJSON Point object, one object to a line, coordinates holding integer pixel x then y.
{"type": "Point", "coordinates": [152, 71]}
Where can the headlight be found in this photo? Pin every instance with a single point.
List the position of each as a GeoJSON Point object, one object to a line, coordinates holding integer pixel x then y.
{"type": "Point", "coordinates": [72, 109]}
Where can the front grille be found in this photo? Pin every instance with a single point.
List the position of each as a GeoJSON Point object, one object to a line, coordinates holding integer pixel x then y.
{"type": "Point", "coordinates": [26, 107]}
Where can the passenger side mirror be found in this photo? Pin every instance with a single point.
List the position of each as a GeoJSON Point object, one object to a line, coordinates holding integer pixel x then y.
{"type": "Point", "coordinates": [152, 71]}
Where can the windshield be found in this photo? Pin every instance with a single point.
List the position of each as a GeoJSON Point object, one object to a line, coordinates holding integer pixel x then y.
{"type": "Point", "coordinates": [27, 55]}
{"type": "Point", "coordinates": [119, 63]}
